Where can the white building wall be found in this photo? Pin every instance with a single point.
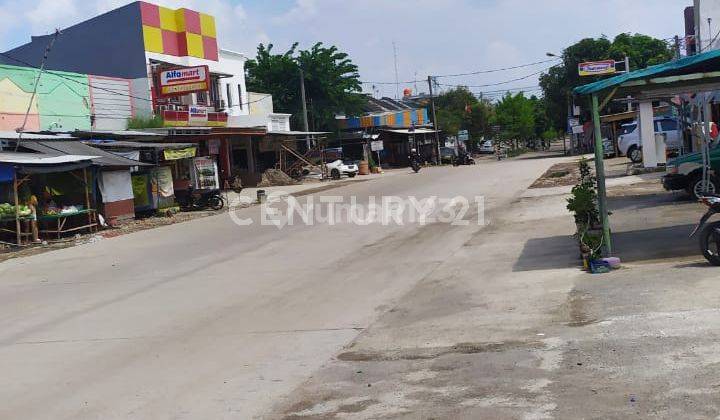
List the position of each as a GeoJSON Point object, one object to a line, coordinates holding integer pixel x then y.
{"type": "Point", "coordinates": [111, 102]}
{"type": "Point", "coordinates": [708, 32]}
{"type": "Point", "coordinates": [231, 62]}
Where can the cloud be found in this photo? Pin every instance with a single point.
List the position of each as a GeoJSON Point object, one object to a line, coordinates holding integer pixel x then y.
{"type": "Point", "coordinates": [433, 37]}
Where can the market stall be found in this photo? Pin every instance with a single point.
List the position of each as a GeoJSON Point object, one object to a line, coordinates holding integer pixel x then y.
{"type": "Point", "coordinates": [113, 189]}
{"type": "Point", "coordinates": [49, 196]}
{"type": "Point", "coordinates": [154, 185]}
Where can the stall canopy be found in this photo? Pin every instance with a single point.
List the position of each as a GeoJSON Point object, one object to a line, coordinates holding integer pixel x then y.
{"type": "Point", "coordinates": [677, 73]}
{"type": "Point", "coordinates": [39, 163]}
{"type": "Point", "coordinates": [103, 158]}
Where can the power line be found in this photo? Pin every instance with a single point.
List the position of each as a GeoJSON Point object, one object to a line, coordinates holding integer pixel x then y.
{"type": "Point", "coordinates": [465, 74]}
{"type": "Point", "coordinates": [501, 69]}
{"type": "Point", "coordinates": [114, 92]}
{"type": "Point", "coordinates": [498, 83]}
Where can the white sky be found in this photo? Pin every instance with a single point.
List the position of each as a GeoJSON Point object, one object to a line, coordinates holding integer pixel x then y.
{"type": "Point", "coordinates": [432, 37]}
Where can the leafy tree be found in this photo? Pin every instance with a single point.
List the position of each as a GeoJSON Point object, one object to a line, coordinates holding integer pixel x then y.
{"type": "Point", "coordinates": [558, 82]}
{"type": "Point", "coordinates": [458, 109]}
{"type": "Point", "coordinates": [515, 114]}
{"type": "Point", "coordinates": [332, 82]}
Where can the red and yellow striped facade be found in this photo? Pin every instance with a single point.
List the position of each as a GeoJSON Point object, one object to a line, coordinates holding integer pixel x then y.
{"type": "Point", "coordinates": [179, 32]}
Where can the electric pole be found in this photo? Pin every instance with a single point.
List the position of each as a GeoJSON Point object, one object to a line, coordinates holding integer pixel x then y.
{"type": "Point", "coordinates": [304, 107]}
{"type": "Point", "coordinates": [435, 124]}
{"type": "Point", "coordinates": [397, 79]}
{"type": "Point", "coordinates": [35, 87]}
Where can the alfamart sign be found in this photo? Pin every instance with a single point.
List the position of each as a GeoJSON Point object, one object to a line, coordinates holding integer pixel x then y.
{"type": "Point", "coordinates": [595, 68]}
{"type": "Point", "coordinates": [184, 80]}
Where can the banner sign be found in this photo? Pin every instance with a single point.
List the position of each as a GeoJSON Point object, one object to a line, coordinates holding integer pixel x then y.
{"type": "Point", "coordinates": [181, 81]}
{"type": "Point", "coordinates": [595, 68]}
{"type": "Point", "coordinates": [377, 145]}
{"type": "Point", "coordinates": [175, 154]}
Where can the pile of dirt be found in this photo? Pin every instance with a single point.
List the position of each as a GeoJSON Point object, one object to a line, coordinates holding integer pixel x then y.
{"type": "Point", "coordinates": [559, 175]}
{"type": "Point", "coordinates": [275, 178]}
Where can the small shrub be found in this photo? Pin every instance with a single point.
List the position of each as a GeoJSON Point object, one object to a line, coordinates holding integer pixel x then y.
{"type": "Point", "coordinates": [136, 123]}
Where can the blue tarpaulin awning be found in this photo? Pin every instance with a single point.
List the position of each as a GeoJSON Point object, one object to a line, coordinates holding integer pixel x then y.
{"type": "Point", "coordinates": [7, 173]}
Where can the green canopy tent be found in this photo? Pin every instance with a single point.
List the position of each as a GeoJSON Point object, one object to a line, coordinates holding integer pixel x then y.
{"type": "Point", "coordinates": [688, 75]}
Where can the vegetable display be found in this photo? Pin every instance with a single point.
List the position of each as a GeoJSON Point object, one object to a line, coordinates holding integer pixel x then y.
{"type": "Point", "coordinates": [8, 210]}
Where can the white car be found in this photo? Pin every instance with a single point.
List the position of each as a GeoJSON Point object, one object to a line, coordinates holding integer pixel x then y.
{"type": "Point", "coordinates": [338, 168]}
{"type": "Point", "coordinates": [629, 139]}
{"type": "Point", "coordinates": [486, 147]}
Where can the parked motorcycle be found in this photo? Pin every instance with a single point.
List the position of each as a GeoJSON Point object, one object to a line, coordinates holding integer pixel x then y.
{"type": "Point", "coordinates": [202, 200]}
{"type": "Point", "coordinates": [709, 233]}
{"type": "Point", "coordinates": [463, 158]}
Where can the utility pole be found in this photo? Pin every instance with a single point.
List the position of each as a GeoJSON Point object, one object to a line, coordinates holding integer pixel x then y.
{"type": "Point", "coordinates": [435, 124]}
{"type": "Point", "coordinates": [397, 79]}
{"type": "Point", "coordinates": [627, 70]}
{"type": "Point", "coordinates": [304, 107]}
{"type": "Point", "coordinates": [677, 47]}
{"type": "Point", "coordinates": [35, 87]}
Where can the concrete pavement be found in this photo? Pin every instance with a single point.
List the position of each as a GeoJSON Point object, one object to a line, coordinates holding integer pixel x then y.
{"type": "Point", "coordinates": [210, 320]}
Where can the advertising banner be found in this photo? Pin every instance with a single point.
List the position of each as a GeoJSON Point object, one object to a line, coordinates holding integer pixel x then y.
{"type": "Point", "coordinates": [377, 145]}
{"type": "Point", "coordinates": [198, 115]}
{"type": "Point", "coordinates": [595, 68]}
{"type": "Point", "coordinates": [181, 81]}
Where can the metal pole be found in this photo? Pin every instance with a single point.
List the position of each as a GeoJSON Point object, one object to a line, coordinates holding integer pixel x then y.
{"type": "Point", "coordinates": [600, 174]}
{"type": "Point", "coordinates": [304, 107]}
{"type": "Point", "coordinates": [435, 124]}
{"type": "Point", "coordinates": [627, 70]}
{"type": "Point", "coordinates": [18, 236]}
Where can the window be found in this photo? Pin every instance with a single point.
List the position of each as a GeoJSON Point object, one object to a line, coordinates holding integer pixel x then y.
{"type": "Point", "coordinates": [627, 129]}
{"type": "Point", "coordinates": [240, 96]}
{"type": "Point", "coordinates": [229, 96]}
{"type": "Point", "coordinates": [668, 125]}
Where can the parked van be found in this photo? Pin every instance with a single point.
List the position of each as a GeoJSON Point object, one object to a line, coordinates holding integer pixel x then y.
{"type": "Point", "coordinates": [629, 139]}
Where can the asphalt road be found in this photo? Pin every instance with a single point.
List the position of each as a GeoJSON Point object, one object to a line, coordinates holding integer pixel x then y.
{"type": "Point", "coordinates": [208, 319]}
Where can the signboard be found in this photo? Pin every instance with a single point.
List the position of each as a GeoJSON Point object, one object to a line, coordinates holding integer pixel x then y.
{"type": "Point", "coordinates": [578, 129]}
{"type": "Point", "coordinates": [185, 80]}
{"type": "Point", "coordinates": [197, 115]}
{"type": "Point", "coordinates": [377, 145]}
{"type": "Point", "coordinates": [463, 135]}
{"type": "Point", "coordinates": [595, 68]}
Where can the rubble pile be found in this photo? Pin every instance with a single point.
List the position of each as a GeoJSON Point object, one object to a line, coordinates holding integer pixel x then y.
{"type": "Point", "coordinates": [275, 178]}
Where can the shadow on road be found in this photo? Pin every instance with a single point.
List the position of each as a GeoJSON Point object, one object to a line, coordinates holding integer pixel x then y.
{"type": "Point", "coordinates": [548, 253]}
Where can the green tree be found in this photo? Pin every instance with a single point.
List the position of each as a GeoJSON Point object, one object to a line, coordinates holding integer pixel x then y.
{"type": "Point", "coordinates": [332, 82]}
{"type": "Point", "coordinates": [557, 83]}
{"type": "Point", "coordinates": [459, 109]}
{"type": "Point", "coordinates": [515, 114]}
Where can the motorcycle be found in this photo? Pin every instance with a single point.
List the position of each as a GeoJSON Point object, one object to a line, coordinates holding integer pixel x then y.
{"type": "Point", "coordinates": [709, 233]}
{"type": "Point", "coordinates": [415, 163]}
{"type": "Point", "coordinates": [463, 158]}
{"type": "Point", "coordinates": [202, 200]}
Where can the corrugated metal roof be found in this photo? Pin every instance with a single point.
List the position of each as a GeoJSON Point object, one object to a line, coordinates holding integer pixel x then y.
{"type": "Point", "coordinates": [143, 145]}
{"type": "Point", "coordinates": [700, 63]}
{"type": "Point", "coordinates": [21, 158]}
{"type": "Point", "coordinates": [12, 135]}
{"type": "Point", "coordinates": [75, 147]}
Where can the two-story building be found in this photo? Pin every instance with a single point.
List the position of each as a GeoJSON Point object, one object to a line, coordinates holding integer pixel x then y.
{"type": "Point", "coordinates": [174, 68]}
